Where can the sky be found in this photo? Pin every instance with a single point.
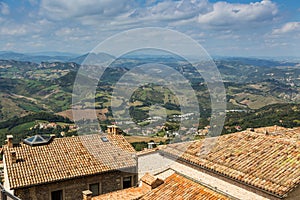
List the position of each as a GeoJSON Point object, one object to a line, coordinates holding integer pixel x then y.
{"type": "Point", "coordinates": [224, 28]}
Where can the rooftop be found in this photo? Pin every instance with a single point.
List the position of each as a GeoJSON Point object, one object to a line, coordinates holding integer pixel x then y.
{"type": "Point", "coordinates": [66, 158]}
{"type": "Point", "coordinates": [174, 186]}
{"type": "Point", "coordinates": [126, 194]}
{"type": "Point", "coordinates": [179, 187]}
{"type": "Point", "coordinates": [270, 162]}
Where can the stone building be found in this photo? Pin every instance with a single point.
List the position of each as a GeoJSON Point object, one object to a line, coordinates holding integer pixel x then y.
{"type": "Point", "coordinates": [258, 164]}
{"type": "Point", "coordinates": [61, 168]}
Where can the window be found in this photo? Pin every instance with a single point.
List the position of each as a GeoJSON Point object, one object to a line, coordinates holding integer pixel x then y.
{"type": "Point", "coordinates": [104, 139]}
{"type": "Point", "coordinates": [57, 195]}
{"type": "Point", "coordinates": [94, 188]}
{"type": "Point", "coordinates": [127, 182]}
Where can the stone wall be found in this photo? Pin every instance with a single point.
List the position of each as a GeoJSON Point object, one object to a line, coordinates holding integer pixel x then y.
{"type": "Point", "coordinates": [72, 189]}
{"type": "Point", "coordinates": [295, 194]}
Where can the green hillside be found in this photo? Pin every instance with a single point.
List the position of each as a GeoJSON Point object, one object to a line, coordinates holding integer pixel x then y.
{"type": "Point", "coordinates": [286, 115]}
{"type": "Point", "coordinates": [265, 92]}
{"type": "Point", "coordinates": [21, 127]}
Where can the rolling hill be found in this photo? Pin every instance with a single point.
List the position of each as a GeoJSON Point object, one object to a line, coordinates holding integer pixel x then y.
{"type": "Point", "coordinates": [255, 86]}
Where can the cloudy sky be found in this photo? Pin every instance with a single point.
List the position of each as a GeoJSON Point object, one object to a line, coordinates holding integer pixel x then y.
{"type": "Point", "coordinates": [226, 28]}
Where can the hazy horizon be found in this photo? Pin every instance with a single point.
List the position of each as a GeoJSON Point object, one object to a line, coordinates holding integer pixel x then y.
{"type": "Point", "coordinates": [240, 28]}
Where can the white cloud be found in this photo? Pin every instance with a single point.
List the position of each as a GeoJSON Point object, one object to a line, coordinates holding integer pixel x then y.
{"type": "Point", "coordinates": [120, 14]}
{"type": "Point", "coordinates": [124, 12]}
{"type": "Point", "coordinates": [10, 27]}
{"type": "Point", "coordinates": [13, 31]}
{"type": "Point", "coordinates": [58, 10]}
{"type": "Point", "coordinates": [4, 8]}
{"type": "Point", "coordinates": [66, 31]}
{"type": "Point", "coordinates": [79, 25]}
{"type": "Point", "coordinates": [228, 14]}
{"type": "Point", "coordinates": [9, 45]}
{"type": "Point", "coordinates": [287, 28]}
{"type": "Point", "coordinates": [173, 10]}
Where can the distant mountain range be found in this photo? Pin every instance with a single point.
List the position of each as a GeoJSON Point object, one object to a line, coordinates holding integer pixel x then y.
{"type": "Point", "coordinates": [35, 57]}
{"type": "Point", "coordinates": [54, 57]}
{"type": "Point", "coordinates": [39, 57]}
{"type": "Point", "coordinates": [92, 58]}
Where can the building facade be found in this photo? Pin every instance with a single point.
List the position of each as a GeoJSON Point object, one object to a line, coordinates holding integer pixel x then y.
{"type": "Point", "coordinates": [61, 168]}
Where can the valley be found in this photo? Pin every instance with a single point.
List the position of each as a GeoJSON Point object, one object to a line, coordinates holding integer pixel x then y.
{"type": "Point", "coordinates": [254, 89]}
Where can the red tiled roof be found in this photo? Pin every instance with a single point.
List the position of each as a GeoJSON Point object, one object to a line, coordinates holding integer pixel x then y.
{"type": "Point", "coordinates": [146, 151]}
{"type": "Point", "coordinates": [267, 161]}
{"type": "Point", "coordinates": [179, 187]}
{"type": "Point", "coordinates": [66, 158]}
{"type": "Point", "coordinates": [130, 193]}
{"type": "Point", "coordinates": [126, 194]}
{"type": "Point", "coordinates": [148, 178]}
{"type": "Point", "coordinates": [174, 187]}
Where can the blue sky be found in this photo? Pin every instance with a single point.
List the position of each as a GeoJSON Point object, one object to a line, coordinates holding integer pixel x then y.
{"type": "Point", "coordinates": [226, 28]}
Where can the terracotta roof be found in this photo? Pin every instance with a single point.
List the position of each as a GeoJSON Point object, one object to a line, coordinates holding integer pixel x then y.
{"type": "Point", "coordinates": [174, 187]}
{"type": "Point", "coordinates": [130, 193]}
{"type": "Point", "coordinates": [266, 161]}
{"type": "Point", "coordinates": [281, 132]}
{"type": "Point", "coordinates": [146, 151]}
{"type": "Point", "coordinates": [126, 194]}
{"type": "Point", "coordinates": [66, 158]}
{"type": "Point", "coordinates": [271, 129]}
{"type": "Point", "coordinates": [148, 178]}
{"type": "Point", "coordinates": [179, 187]}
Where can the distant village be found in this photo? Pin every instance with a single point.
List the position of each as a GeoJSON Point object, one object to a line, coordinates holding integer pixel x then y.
{"type": "Point", "coordinates": [167, 133]}
{"type": "Point", "coordinates": [60, 129]}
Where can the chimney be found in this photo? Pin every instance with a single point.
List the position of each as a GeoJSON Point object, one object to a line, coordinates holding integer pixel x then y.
{"type": "Point", "coordinates": [13, 157]}
{"type": "Point", "coordinates": [87, 195]}
{"type": "Point", "coordinates": [10, 141]}
{"type": "Point", "coordinates": [151, 182]}
{"type": "Point", "coordinates": [113, 130]}
{"type": "Point", "coordinates": [266, 132]}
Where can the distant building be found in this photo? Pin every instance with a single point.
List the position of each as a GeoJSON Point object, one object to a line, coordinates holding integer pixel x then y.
{"type": "Point", "coordinates": [152, 145]}
{"type": "Point", "coordinates": [45, 168]}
